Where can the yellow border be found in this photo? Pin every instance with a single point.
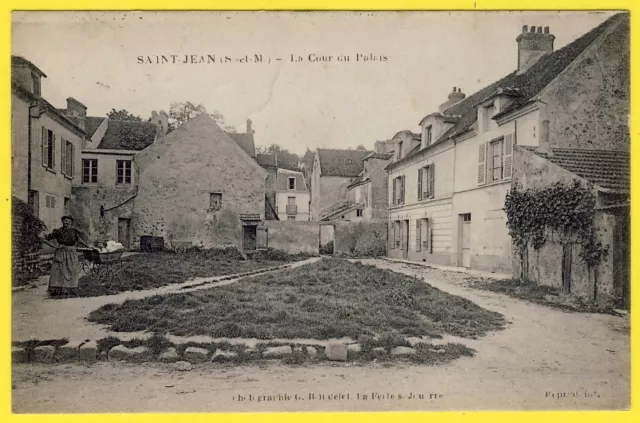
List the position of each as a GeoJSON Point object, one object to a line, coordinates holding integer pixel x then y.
{"type": "Point", "coordinates": [5, 169]}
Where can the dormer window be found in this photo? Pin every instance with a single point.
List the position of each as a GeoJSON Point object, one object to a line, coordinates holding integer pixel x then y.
{"type": "Point", "coordinates": [427, 135]}
{"type": "Point", "coordinates": [399, 153]}
{"type": "Point", "coordinates": [487, 114]}
{"type": "Point", "coordinates": [292, 182]}
{"type": "Point", "coordinates": [36, 84]}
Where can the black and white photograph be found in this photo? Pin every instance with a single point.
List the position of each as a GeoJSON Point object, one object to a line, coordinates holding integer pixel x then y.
{"type": "Point", "coordinates": [288, 211]}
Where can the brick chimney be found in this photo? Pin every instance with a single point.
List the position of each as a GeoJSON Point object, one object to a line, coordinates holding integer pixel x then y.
{"type": "Point", "coordinates": [249, 128]}
{"type": "Point", "coordinates": [533, 43]}
{"type": "Point", "coordinates": [77, 111]}
{"type": "Point", "coordinates": [455, 96]}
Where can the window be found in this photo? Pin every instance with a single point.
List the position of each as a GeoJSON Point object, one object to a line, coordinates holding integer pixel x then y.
{"type": "Point", "coordinates": [397, 196]}
{"type": "Point", "coordinates": [466, 217]}
{"type": "Point", "coordinates": [291, 218]}
{"type": "Point", "coordinates": [48, 148]}
{"type": "Point", "coordinates": [359, 213]}
{"type": "Point", "coordinates": [67, 158]}
{"type": "Point", "coordinates": [215, 200]}
{"type": "Point", "coordinates": [495, 159]}
{"type": "Point", "coordinates": [123, 168]}
{"type": "Point", "coordinates": [291, 201]}
{"type": "Point", "coordinates": [50, 201]}
{"type": "Point", "coordinates": [426, 177]}
{"type": "Point", "coordinates": [67, 202]}
{"type": "Point", "coordinates": [399, 155]}
{"type": "Point", "coordinates": [292, 182]}
{"type": "Point", "coordinates": [423, 235]}
{"type": "Point", "coordinates": [89, 171]}
{"type": "Point", "coordinates": [36, 84]}
{"type": "Point", "coordinates": [427, 135]}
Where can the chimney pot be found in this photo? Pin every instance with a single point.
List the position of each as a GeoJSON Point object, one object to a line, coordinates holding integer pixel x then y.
{"type": "Point", "coordinates": [533, 28]}
{"type": "Point", "coordinates": [525, 28]}
{"type": "Point", "coordinates": [546, 29]}
{"type": "Point", "coordinates": [454, 89]}
{"type": "Point", "coordinates": [249, 128]}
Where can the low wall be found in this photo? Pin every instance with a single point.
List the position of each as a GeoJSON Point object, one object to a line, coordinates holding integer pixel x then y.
{"type": "Point", "coordinates": [293, 237]}
{"type": "Point", "coordinates": [363, 238]}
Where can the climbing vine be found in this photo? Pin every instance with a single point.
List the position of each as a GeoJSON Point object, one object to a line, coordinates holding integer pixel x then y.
{"type": "Point", "coordinates": [565, 211]}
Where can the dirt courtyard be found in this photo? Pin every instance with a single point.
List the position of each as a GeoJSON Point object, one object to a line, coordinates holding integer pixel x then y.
{"type": "Point", "coordinates": [545, 359]}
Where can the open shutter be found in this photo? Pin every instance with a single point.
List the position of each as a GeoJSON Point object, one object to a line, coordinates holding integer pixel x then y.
{"type": "Point", "coordinates": [394, 193]}
{"type": "Point", "coordinates": [420, 184]}
{"type": "Point", "coordinates": [72, 167]}
{"type": "Point", "coordinates": [63, 156]}
{"type": "Point", "coordinates": [418, 234]}
{"type": "Point", "coordinates": [432, 180]}
{"type": "Point", "coordinates": [507, 165]}
{"type": "Point", "coordinates": [402, 190]}
{"type": "Point", "coordinates": [53, 152]}
{"type": "Point", "coordinates": [429, 237]}
{"type": "Point", "coordinates": [45, 148]}
{"type": "Point", "coordinates": [482, 164]}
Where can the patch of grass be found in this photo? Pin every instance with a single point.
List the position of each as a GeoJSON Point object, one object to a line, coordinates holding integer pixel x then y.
{"type": "Point", "coordinates": [540, 294]}
{"type": "Point", "coordinates": [331, 298]}
{"type": "Point", "coordinates": [153, 270]}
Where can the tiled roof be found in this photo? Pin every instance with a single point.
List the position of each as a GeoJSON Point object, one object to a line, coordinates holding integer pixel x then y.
{"type": "Point", "coordinates": [356, 181]}
{"type": "Point", "coordinates": [282, 180]}
{"type": "Point", "coordinates": [343, 163]}
{"type": "Point", "coordinates": [530, 83]}
{"type": "Point", "coordinates": [266, 160]}
{"type": "Point", "coordinates": [128, 135]}
{"type": "Point", "coordinates": [526, 85]}
{"type": "Point", "coordinates": [92, 123]}
{"type": "Point", "coordinates": [21, 61]}
{"type": "Point", "coordinates": [381, 156]}
{"type": "Point", "coordinates": [604, 168]}
{"type": "Point", "coordinates": [245, 141]}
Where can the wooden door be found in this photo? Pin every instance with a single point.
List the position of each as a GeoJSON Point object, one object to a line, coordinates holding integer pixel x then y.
{"type": "Point", "coordinates": [249, 238]}
{"type": "Point", "coordinates": [124, 232]}
{"type": "Point", "coordinates": [405, 240]}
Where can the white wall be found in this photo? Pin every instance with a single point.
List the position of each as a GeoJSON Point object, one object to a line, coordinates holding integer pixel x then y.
{"type": "Point", "coordinates": [302, 203]}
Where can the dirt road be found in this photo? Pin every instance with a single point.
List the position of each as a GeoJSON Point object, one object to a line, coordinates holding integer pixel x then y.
{"type": "Point", "coordinates": [544, 359]}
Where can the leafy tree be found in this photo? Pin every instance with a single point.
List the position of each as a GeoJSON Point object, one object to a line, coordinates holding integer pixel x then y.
{"type": "Point", "coordinates": [183, 111]}
{"type": "Point", "coordinates": [361, 148]}
{"type": "Point", "coordinates": [123, 114]}
{"type": "Point", "coordinates": [286, 159]}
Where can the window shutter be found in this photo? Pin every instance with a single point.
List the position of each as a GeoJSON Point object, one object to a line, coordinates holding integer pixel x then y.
{"type": "Point", "coordinates": [429, 236]}
{"type": "Point", "coordinates": [402, 190]}
{"type": "Point", "coordinates": [45, 148]}
{"type": "Point", "coordinates": [420, 184]}
{"type": "Point", "coordinates": [53, 152]}
{"type": "Point", "coordinates": [53, 202]}
{"type": "Point", "coordinates": [63, 156]}
{"type": "Point", "coordinates": [507, 165]}
{"type": "Point", "coordinates": [418, 234]}
{"type": "Point", "coordinates": [393, 196]}
{"type": "Point", "coordinates": [72, 171]}
{"type": "Point", "coordinates": [432, 180]}
{"type": "Point", "coordinates": [482, 164]}
{"type": "Point", "coordinates": [47, 202]}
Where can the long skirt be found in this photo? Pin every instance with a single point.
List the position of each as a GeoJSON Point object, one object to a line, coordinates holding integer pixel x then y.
{"type": "Point", "coordinates": [64, 272]}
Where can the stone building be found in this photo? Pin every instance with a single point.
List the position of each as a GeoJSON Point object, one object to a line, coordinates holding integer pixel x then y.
{"type": "Point", "coordinates": [196, 185]}
{"type": "Point", "coordinates": [333, 171]}
{"type": "Point", "coordinates": [292, 196]}
{"type": "Point", "coordinates": [45, 146]}
{"type": "Point", "coordinates": [446, 195]}
{"type": "Point", "coordinates": [370, 193]}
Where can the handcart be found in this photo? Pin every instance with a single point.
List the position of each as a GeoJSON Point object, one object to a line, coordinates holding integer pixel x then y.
{"type": "Point", "coordinates": [101, 266]}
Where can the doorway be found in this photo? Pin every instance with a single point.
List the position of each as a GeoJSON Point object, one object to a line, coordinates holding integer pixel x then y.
{"type": "Point", "coordinates": [124, 232]}
{"type": "Point", "coordinates": [250, 235]}
{"type": "Point", "coordinates": [465, 240]}
{"type": "Point", "coordinates": [405, 239]}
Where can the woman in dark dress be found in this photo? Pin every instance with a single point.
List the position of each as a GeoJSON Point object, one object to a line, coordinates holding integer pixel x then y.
{"type": "Point", "coordinates": [64, 268]}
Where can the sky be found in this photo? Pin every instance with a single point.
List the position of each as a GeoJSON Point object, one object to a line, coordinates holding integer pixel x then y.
{"type": "Point", "coordinates": [102, 59]}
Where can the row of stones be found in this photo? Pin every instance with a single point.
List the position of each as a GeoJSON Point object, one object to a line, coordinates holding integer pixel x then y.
{"type": "Point", "coordinates": [88, 351]}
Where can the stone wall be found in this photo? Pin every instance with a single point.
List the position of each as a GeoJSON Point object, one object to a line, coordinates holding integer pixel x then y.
{"type": "Point", "coordinates": [293, 237]}
{"type": "Point", "coordinates": [588, 104]}
{"type": "Point", "coordinates": [364, 238]}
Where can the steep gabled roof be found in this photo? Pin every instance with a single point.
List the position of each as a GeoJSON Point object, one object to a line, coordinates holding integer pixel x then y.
{"type": "Point", "coordinates": [245, 141]}
{"type": "Point", "coordinates": [21, 61]}
{"type": "Point", "coordinates": [128, 135]}
{"type": "Point", "coordinates": [92, 123]}
{"type": "Point", "coordinates": [528, 84]}
{"type": "Point", "coordinates": [604, 168]}
{"type": "Point", "coordinates": [343, 163]}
